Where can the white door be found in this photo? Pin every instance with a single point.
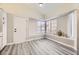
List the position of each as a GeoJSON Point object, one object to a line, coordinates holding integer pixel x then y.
{"type": "Point", "coordinates": [19, 29]}
{"type": "Point", "coordinates": [4, 28]}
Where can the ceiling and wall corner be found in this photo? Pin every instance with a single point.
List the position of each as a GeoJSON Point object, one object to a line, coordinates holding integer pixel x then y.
{"type": "Point", "coordinates": [19, 9]}
{"type": "Point", "coordinates": [54, 9]}
{"type": "Point", "coordinates": [35, 11]}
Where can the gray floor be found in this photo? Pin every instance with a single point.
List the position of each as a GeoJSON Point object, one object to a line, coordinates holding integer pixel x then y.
{"type": "Point", "coordinates": [37, 47]}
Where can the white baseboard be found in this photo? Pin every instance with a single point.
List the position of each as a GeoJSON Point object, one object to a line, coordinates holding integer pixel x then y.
{"type": "Point", "coordinates": [63, 43]}
{"type": "Point", "coordinates": [24, 41]}
{"type": "Point", "coordinates": [2, 47]}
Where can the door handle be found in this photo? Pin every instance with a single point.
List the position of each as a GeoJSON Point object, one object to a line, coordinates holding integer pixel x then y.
{"type": "Point", "coordinates": [3, 20]}
{"type": "Point", "coordinates": [14, 29]}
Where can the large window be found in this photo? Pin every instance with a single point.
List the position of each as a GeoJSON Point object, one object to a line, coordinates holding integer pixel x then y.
{"type": "Point", "coordinates": [38, 26]}
{"type": "Point", "coordinates": [48, 27]}
{"type": "Point", "coordinates": [41, 26]}
{"type": "Point", "coordinates": [53, 26]}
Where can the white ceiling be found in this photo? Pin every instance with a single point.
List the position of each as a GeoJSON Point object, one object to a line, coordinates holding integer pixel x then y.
{"type": "Point", "coordinates": [47, 7]}
{"type": "Point", "coordinates": [51, 8]}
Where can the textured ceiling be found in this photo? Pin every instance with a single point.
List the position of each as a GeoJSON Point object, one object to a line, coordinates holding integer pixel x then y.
{"type": "Point", "coordinates": [49, 7]}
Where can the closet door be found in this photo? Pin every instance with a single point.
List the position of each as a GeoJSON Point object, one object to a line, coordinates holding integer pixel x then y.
{"type": "Point", "coordinates": [19, 29]}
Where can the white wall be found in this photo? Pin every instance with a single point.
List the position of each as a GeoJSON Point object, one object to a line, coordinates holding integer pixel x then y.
{"type": "Point", "coordinates": [62, 24]}
{"type": "Point", "coordinates": [0, 24]}
{"type": "Point", "coordinates": [77, 44]}
{"type": "Point", "coordinates": [1, 44]}
{"type": "Point", "coordinates": [10, 28]}
{"type": "Point", "coordinates": [1, 21]}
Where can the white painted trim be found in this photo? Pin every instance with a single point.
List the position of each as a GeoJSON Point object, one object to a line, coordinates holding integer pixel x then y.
{"type": "Point", "coordinates": [24, 41]}
{"type": "Point", "coordinates": [62, 37]}
{"type": "Point", "coordinates": [62, 43]}
{"type": "Point", "coordinates": [2, 47]}
{"type": "Point", "coordinates": [61, 15]}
